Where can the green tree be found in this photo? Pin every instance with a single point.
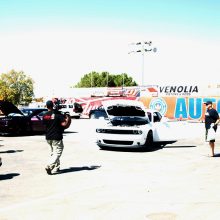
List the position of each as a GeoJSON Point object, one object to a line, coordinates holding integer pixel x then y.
{"type": "Point", "coordinates": [16, 87]}
{"type": "Point", "coordinates": [104, 79]}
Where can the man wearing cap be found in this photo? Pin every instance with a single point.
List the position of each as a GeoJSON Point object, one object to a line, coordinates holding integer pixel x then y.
{"type": "Point", "coordinates": [55, 123]}
{"type": "Point", "coordinates": [211, 121]}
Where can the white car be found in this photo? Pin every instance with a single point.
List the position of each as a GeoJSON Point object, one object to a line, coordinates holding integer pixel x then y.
{"type": "Point", "coordinates": [131, 125]}
{"type": "Point", "coordinates": [73, 109]}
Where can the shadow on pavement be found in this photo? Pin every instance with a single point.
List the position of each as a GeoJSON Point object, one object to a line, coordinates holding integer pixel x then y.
{"type": "Point", "coordinates": [75, 169]}
{"type": "Point", "coordinates": [70, 132]}
{"type": "Point", "coordinates": [181, 146]}
{"type": "Point", "coordinates": [8, 176]}
{"type": "Point", "coordinates": [133, 150]}
{"type": "Point", "coordinates": [156, 147]}
{"type": "Point", "coordinates": [10, 151]}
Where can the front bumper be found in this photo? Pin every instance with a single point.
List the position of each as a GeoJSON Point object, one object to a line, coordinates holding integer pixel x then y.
{"type": "Point", "coordinates": [116, 140]}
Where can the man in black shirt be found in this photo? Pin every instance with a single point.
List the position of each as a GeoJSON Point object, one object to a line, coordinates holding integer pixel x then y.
{"type": "Point", "coordinates": [211, 121]}
{"type": "Point", "coordinates": [55, 123]}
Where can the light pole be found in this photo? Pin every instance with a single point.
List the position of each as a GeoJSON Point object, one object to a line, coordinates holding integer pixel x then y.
{"type": "Point", "coordinates": [91, 79]}
{"type": "Point", "coordinates": [123, 80]}
{"type": "Point", "coordinates": [107, 80]}
{"type": "Point", "coordinates": [142, 50]}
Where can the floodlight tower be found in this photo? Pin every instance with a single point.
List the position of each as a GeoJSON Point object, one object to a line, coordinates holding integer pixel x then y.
{"type": "Point", "coordinates": [143, 50]}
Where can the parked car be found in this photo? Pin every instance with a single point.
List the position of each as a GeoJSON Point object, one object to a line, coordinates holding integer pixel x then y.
{"type": "Point", "coordinates": [14, 121]}
{"type": "Point", "coordinates": [98, 113]}
{"type": "Point", "coordinates": [73, 109]}
{"type": "Point", "coordinates": [131, 125]}
{"type": "Point", "coordinates": [28, 111]}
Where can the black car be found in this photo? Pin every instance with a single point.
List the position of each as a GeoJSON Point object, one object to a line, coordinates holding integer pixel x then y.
{"type": "Point", "coordinates": [29, 111]}
{"type": "Point", "coordinates": [14, 121]}
{"type": "Point", "coordinates": [98, 113]}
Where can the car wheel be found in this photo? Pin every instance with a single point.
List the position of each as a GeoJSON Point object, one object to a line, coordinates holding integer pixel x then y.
{"type": "Point", "coordinates": [29, 129]}
{"type": "Point", "coordinates": [149, 139]}
{"type": "Point", "coordinates": [19, 131]}
{"type": "Point", "coordinates": [76, 117]}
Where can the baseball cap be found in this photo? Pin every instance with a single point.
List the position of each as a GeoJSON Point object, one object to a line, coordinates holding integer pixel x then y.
{"type": "Point", "coordinates": [208, 103]}
{"type": "Point", "coordinates": [49, 104]}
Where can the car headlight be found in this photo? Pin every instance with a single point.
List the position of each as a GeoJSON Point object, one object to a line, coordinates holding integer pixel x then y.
{"type": "Point", "coordinates": [137, 132]}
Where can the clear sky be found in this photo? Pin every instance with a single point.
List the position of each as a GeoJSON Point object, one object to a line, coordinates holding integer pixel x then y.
{"type": "Point", "coordinates": [57, 42]}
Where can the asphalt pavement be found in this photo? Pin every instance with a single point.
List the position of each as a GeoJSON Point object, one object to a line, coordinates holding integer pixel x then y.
{"type": "Point", "coordinates": [178, 181]}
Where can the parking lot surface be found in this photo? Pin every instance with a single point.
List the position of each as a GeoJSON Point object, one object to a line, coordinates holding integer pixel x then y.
{"type": "Point", "coordinates": [178, 181]}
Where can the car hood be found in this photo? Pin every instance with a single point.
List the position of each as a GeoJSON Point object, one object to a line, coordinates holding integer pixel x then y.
{"type": "Point", "coordinates": [7, 107]}
{"type": "Point", "coordinates": [128, 108]}
{"type": "Point", "coordinates": [125, 112]}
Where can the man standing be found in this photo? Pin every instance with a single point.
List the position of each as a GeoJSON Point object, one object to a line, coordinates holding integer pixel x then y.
{"type": "Point", "coordinates": [55, 123]}
{"type": "Point", "coordinates": [211, 121]}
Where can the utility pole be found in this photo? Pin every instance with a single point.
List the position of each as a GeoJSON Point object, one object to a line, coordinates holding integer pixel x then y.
{"type": "Point", "coordinates": [143, 50]}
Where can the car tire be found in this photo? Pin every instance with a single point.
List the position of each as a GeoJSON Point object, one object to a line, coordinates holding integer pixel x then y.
{"type": "Point", "coordinates": [76, 117]}
{"type": "Point", "coordinates": [149, 140]}
{"type": "Point", "coordinates": [19, 131]}
{"type": "Point", "coordinates": [29, 129]}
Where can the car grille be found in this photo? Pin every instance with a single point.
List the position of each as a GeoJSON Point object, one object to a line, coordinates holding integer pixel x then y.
{"type": "Point", "coordinates": [112, 131]}
{"type": "Point", "coordinates": [118, 142]}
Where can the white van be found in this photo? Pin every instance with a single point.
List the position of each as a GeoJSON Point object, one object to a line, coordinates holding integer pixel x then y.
{"type": "Point", "coordinates": [73, 109]}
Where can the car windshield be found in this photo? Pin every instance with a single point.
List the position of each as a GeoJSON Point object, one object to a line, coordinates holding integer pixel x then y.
{"type": "Point", "coordinates": [42, 113]}
{"type": "Point", "coordinates": [33, 111]}
{"type": "Point", "coordinates": [27, 111]}
{"type": "Point", "coordinates": [15, 114]}
{"type": "Point", "coordinates": [129, 120]}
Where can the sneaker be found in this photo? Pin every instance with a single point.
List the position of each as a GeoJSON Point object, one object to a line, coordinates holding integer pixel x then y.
{"type": "Point", "coordinates": [56, 169]}
{"type": "Point", "coordinates": [48, 169]}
